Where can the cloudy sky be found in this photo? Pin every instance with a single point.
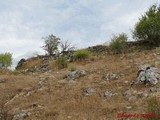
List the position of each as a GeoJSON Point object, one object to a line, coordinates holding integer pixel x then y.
{"type": "Point", "coordinates": [82, 22]}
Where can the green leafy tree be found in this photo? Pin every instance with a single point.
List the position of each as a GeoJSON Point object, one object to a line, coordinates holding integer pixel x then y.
{"type": "Point", "coordinates": [5, 60]}
{"type": "Point", "coordinates": [148, 27]}
{"type": "Point", "coordinates": [51, 44]}
{"type": "Point", "coordinates": [118, 43]}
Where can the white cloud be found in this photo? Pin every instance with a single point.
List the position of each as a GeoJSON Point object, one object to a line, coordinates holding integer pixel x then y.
{"type": "Point", "coordinates": [84, 22]}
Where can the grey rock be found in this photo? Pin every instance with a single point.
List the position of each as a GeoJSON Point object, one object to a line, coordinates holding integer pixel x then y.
{"type": "Point", "coordinates": [90, 91]}
{"type": "Point", "coordinates": [132, 98]}
{"type": "Point", "coordinates": [148, 74]}
{"type": "Point", "coordinates": [76, 74]}
{"type": "Point", "coordinates": [108, 94]}
{"type": "Point", "coordinates": [129, 107]}
{"type": "Point", "coordinates": [145, 94]}
{"type": "Point", "coordinates": [41, 81]}
{"type": "Point", "coordinates": [155, 89]}
{"type": "Point", "coordinates": [2, 81]}
{"type": "Point", "coordinates": [21, 116]}
{"type": "Point", "coordinates": [111, 76]}
{"type": "Point", "coordinates": [128, 94]}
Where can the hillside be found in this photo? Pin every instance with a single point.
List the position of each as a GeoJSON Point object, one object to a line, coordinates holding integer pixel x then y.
{"type": "Point", "coordinates": [100, 90]}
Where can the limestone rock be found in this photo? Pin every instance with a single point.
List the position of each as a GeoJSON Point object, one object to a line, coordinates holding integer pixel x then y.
{"type": "Point", "coordinates": [148, 74]}
{"type": "Point", "coordinates": [109, 94]}
{"type": "Point", "coordinates": [22, 115]}
{"type": "Point", "coordinates": [2, 81]}
{"type": "Point", "coordinates": [90, 91]}
{"type": "Point", "coordinates": [76, 74]}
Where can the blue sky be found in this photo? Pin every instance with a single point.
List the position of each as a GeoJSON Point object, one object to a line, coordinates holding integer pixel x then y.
{"type": "Point", "coordinates": [82, 22]}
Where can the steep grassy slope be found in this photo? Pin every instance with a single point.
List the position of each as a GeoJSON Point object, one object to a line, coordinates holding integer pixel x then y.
{"type": "Point", "coordinates": [48, 96]}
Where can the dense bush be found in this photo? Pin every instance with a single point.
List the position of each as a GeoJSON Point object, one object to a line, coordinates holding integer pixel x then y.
{"type": "Point", "coordinates": [5, 60]}
{"type": "Point", "coordinates": [118, 43]}
{"type": "Point", "coordinates": [62, 62]}
{"type": "Point", "coordinates": [81, 54]}
{"type": "Point", "coordinates": [148, 27]}
{"type": "Point", "coordinates": [153, 108]}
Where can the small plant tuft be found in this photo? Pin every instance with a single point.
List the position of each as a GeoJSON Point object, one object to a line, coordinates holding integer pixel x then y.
{"type": "Point", "coordinates": [81, 55]}
{"type": "Point", "coordinates": [62, 63]}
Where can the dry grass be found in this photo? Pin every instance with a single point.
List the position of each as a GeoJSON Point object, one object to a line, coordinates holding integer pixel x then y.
{"type": "Point", "coordinates": [60, 100]}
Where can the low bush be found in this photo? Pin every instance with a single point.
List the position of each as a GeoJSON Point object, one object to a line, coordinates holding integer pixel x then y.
{"type": "Point", "coordinates": [62, 62]}
{"type": "Point", "coordinates": [118, 43]}
{"type": "Point", "coordinates": [81, 54]}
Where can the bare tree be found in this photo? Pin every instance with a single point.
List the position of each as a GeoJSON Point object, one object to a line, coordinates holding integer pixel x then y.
{"type": "Point", "coordinates": [51, 44]}
{"type": "Point", "coordinates": [66, 46]}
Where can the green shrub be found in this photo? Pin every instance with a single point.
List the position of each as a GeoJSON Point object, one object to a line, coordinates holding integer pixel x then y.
{"type": "Point", "coordinates": [118, 43]}
{"type": "Point", "coordinates": [153, 108]}
{"type": "Point", "coordinates": [5, 60]}
{"type": "Point", "coordinates": [81, 54]}
{"type": "Point", "coordinates": [62, 62]}
{"type": "Point", "coordinates": [148, 27]}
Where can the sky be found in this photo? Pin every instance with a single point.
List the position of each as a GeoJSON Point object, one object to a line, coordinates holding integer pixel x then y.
{"type": "Point", "coordinates": [84, 23]}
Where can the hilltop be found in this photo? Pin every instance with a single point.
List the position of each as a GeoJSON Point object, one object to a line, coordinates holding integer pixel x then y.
{"type": "Point", "coordinates": [98, 88]}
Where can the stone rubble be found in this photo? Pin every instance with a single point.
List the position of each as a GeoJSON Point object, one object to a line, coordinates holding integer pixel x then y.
{"type": "Point", "coordinates": [22, 115]}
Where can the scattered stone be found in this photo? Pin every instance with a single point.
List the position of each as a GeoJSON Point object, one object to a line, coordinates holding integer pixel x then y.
{"type": "Point", "coordinates": [128, 94]}
{"type": "Point", "coordinates": [41, 81]}
{"type": "Point", "coordinates": [90, 91]}
{"type": "Point", "coordinates": [113, 76]}
{"type": "Point", "coordinates": [132, 98]}
{"type": "Point", "coordinates": [22, 115]}
{"type": "Point", "coordinates": [129, 107]}
{"type": "Point", "coordinates": [71, 82]}
{"type": "Point", "coordinates": [30, 93]}
{"type": "Point", "coordinates": [126, 82]}
{"type": "Point", "coordinates": [148, 75]}
{"type": "Point", "coordinates": [2, 81]}
{"type": "Point", "coordinates": [108, 94]}
{"type": "Point", "coordinates": [155, 89]}
{"type": "Point", "coordinates": [76, 74]}
{"type": "Point", "coordinates": [145, 94]}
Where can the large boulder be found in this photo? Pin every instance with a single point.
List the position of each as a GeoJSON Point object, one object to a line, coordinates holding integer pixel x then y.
{"type": "Point", "coordinates": [148, 75]}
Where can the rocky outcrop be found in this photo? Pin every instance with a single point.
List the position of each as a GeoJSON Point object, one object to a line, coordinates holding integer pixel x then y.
{"type": "Point", "coordinates": [21, 63]}
{"type": "Point", "coordinates": [148, 75]}
{"type": "Point", "coordinates": [103, 49]}
{"type": "Point", "coordinates": [44, 66]}
{"type": "Point", "coordinates": [75, 74]}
